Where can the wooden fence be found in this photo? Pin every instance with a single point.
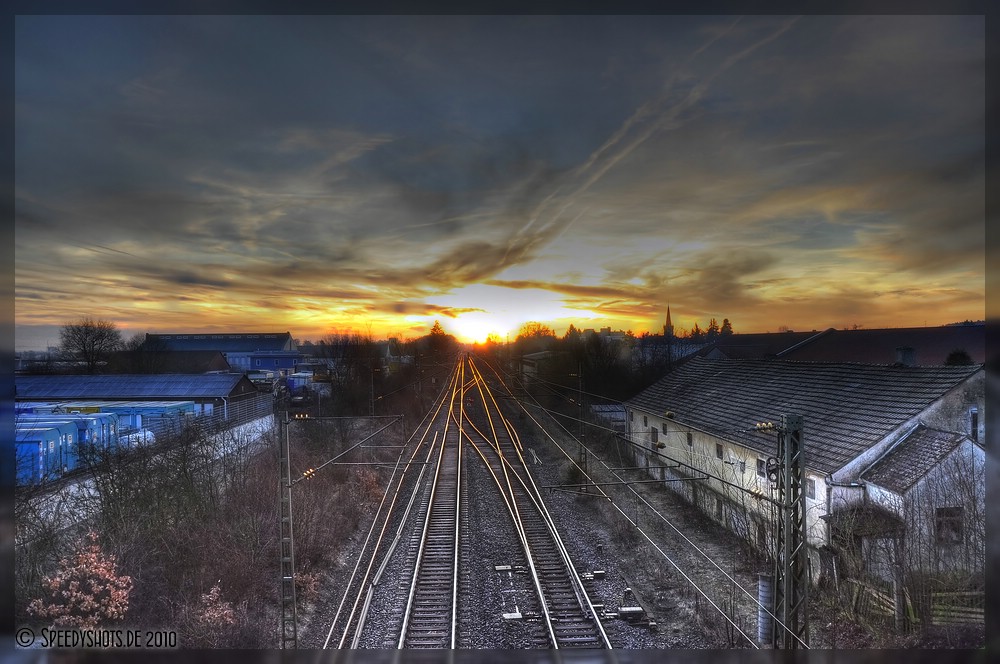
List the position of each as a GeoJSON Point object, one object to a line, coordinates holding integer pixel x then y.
{"type": "Point", "coordinates": [874, 602]}
{"type": "Point", "coordinates": [958, 608]}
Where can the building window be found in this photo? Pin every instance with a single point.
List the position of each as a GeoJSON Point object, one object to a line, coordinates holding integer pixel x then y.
{"type": "Point", "coordinates": [743, 467]}
{"type": "Point", "coordinates": [810, 488]}
{"type": "Point", "coordinates": [718, 509]}
{"type": "Point", "coordinates": [690, 438]}
{"type": "Point", "coordinates": [258, 363]}
{"type": "Point", "coordinates": [276, 363]}
{"type": "Point", "coordinates": [761, 468]}
{"type": "Point", "coordinates": [654, 434]}
{"type": "Point", "coordinates": [718, 451]}
{"type": "Point", "coordinates": [948, 524]}
{"type": "Point", "coordinates": [645, 421]}
{"type": "Point", "coordinates": [974, 423]}
{"type": "Point", "coordinates": [631, 416]}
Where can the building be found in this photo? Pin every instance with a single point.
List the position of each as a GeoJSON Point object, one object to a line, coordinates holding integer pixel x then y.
{"type": "Point", "coordinates": [927, 493]}
{"type": "Point", "coordinates": [920, 346]}
{"type": "Point", "coordinates": [228, 399]}
{"type": "Point", "coordinates": [244, 351]}
{"type": "Point", "coordinates": [695, 430]}
{"type": "Point", "coordinates": [168, 361]}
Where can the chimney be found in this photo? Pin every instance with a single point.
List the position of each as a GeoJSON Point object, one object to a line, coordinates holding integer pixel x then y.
{"type": "Point", "coordinates": [905, 356]}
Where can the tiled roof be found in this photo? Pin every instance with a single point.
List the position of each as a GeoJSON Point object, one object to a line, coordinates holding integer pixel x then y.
{"type": "Point", "coordinates": [126, 386]}
{"type": "Point", "coordinates": [846, 407]}
{"type": "Point", "coordinates": [931, 345]}
{"type": "Point", "coordinates": [755, 345]}
{"type": "Point", "coordinates": [912, 458]}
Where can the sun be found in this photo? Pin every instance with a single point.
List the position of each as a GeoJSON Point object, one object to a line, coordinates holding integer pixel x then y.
{"type": "Point", "coordinates": [474, 327]}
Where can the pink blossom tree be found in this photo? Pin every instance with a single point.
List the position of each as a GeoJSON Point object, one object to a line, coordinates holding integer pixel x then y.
{"type": "Point", "coordinates": [85, 590]}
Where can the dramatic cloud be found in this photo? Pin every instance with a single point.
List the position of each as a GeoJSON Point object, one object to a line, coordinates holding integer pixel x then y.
{"type": "Point", "coordinates": [317, 173]}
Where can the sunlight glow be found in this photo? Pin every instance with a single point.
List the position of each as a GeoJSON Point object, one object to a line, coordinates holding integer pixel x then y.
{"type": "Point", "coordinates": [501, 311]}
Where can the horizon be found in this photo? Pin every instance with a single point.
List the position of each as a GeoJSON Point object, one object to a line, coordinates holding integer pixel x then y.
{"type": "Point", "coordinates": [52, 333]}
{"type": "Point", "coordinates": [385, 172]}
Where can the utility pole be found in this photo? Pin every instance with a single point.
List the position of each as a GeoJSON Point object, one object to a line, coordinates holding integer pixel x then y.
{"type": "Point", "coordinates": [791, 560]}
{"type": "Point", "coordinates": [581, 449]}
{"type": "Point", "coordinates": [289, 619]}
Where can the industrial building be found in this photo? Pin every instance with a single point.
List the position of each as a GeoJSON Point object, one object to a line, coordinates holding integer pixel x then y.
{"type": "Point", "coordinates": [244, 351]}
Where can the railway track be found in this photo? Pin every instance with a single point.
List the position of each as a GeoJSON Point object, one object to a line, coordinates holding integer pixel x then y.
{"type": "Point", "coordinates": [566, 611]}
{"type": "Point", "coordinates": [433, 600]}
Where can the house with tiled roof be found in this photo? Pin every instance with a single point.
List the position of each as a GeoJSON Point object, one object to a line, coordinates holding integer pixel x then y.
{"type": "Point", "coordinates": [695, 430]}
{"type": "Point", "coordinates": [930, 491]}
{"type": "Point", "coordinates": [923, 346]}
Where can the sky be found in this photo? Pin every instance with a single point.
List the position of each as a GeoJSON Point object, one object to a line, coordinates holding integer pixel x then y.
{"type": "Point", "coordinates": [327, 174]}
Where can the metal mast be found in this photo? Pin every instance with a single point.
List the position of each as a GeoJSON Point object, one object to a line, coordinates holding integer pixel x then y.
{"type": "Point", "coordinates": [791, 562]}
{"type": "Point", "coordinates": [289, 629]}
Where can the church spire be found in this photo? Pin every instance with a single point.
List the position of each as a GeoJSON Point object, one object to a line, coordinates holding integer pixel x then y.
{"type": "Point", "coordinates": [668, 328]}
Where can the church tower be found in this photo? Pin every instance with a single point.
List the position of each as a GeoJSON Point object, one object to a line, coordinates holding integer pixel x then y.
{"type": "Point", "coordinates": [668, 328]}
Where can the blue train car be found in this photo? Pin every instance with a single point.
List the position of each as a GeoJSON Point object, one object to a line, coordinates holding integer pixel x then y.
{"type": "Point", "coordinates": [44, 451]}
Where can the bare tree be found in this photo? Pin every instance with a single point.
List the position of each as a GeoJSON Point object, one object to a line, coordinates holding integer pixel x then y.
{"type": "Point", "coordinates": [89, 342]}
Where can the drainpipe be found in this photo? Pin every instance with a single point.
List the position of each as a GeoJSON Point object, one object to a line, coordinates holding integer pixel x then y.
{"type": "Point", "coordinates": [225, 409]}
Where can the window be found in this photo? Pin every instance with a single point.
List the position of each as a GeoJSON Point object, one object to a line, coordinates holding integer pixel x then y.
{"type": "Point", "coordinates": [258, 363]}
{"type": "Point", "coordinates": [810, 488]}
{"type": "Point", "coordinates": [761, 468]}
{"type": "Point", "coordinates": [690, 438]}
{"type": "Point", "coordinates": [743, 467]}
{"type": "Point", "coordinates": [974, 424]}
{"type": "Point", "coordinates": [948, 522]}
{"type": "Point", "coordinates": [645, 421]}
{"type": "Point", "coordinates": [718, 451]}
{"type": "Point", "coordinates": [718, 509]}
{"type": "Point", "coordinates": [631, 416]}
{"type": "Point", "coordinates": [276, 363]}
{"type": "Point", "coordinates": [654, 434]}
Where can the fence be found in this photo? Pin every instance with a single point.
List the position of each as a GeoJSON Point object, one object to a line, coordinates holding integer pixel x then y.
{"type": "Point", "coordinates": [873, 602]}
{"type": "Point", "coordinates": [235, 413]}
{"type": "Point", "coordinates": [958, 608]}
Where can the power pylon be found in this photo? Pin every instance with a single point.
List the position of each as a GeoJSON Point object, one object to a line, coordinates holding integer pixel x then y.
{"type": "Point", "coordinates": [791, 560]}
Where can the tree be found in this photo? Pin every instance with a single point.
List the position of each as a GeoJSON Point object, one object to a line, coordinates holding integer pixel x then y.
{"type": "Point", "coordinates": [86, 589]}
{"type": "Point", "coordinates": [439, 341]}
{"type": "Point", "coordinates": [535, 329]}
{"type": "Point", "coordinates": [697, 336]}
{"type": "Point", "coordinates": [958, 357]}
{"type": "Point", "coordinates": [89, 342]}
{"type": "Point", "coordinates": [726, 329]}
{"type": "Point", "coordinates": [712, 332]}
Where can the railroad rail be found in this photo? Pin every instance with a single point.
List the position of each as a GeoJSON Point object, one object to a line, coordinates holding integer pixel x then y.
{"type": "Point", "coordinates": [422, 591]}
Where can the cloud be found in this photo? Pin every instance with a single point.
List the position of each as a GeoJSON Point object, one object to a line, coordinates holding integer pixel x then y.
{"type": "Point", "coordinates": [350, 164]}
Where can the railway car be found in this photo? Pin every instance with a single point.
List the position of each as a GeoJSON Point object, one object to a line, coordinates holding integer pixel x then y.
{"type": "Point", "coordinates": [44, 451]}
